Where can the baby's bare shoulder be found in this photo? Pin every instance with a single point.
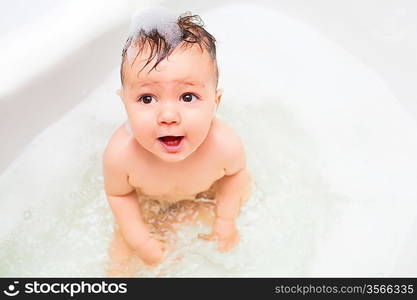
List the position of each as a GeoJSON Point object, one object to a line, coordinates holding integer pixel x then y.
{"type": "Point", "coordinates": [118, 143]}
{"type": "Point", "coordinates": [229, 143]}
{"type": "Point", "coordinates": [115, 162]}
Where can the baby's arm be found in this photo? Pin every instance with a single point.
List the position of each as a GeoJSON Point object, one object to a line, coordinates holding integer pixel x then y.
{"type": "Point", "coordinates": [125, 207]}
{"type": "Point", "coordinates": [233, 190]}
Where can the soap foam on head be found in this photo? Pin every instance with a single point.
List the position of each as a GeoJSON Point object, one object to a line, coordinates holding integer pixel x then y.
{"type": "Point", "coordinates": [161, 19]}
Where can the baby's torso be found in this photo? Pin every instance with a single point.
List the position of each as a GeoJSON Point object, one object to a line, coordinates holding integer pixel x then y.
{"type": "Point", "coordinates": [172, 186]}
{"type": "Point", "coordinates": [198, 174]}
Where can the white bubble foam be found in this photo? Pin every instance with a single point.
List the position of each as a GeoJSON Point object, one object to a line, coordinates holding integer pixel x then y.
{"type": "Point", "coordinates": [161, 19]}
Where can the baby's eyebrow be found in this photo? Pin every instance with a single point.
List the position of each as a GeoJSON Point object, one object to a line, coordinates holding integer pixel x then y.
{"type": "Point", "coordinates": [193, 84]}
{"type": "Point", "coordinates": [181, 82]}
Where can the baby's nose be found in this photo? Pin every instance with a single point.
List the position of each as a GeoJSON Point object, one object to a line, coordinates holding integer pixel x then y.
{"type": "Point", "coordinates": [169, 116]}
{"type": "Point", "coordinates": [169, 122]}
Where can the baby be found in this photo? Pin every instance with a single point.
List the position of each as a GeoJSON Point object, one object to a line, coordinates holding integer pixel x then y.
{"type": "Point", "coordinates": [173, 161]}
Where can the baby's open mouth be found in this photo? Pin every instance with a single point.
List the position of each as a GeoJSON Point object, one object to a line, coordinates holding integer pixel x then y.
{"type": "Point", "coordinates": [170, 140]}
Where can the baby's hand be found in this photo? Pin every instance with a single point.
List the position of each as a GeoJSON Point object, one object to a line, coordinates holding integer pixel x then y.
{"type": "Point", "coordinates": [152, 251]}
{"type": "Point", "coordinates": [225, 231]}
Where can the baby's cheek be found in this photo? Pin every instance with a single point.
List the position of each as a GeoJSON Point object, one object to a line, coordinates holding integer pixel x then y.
{"type": "Point", "coordinates": [143, 136]}
{"type": "Point", "coordinates": [197, 135]}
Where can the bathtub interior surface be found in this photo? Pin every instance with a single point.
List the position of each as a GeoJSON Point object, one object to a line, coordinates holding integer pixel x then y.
{"type": "Point", "coordinates": [331, 150]}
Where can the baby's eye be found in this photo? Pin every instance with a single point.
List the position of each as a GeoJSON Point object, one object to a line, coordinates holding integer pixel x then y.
{"type": "Point", "coordinates": [188, 97]}
{"type": "Point", "coordinates": [146, 99]}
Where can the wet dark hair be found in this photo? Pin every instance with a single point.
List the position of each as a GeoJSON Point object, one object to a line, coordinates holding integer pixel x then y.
{"type": "Point", "coordinates": [193, 32]}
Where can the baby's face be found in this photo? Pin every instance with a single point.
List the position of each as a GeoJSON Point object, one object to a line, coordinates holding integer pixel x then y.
{"type": "Point", "coordinates": [176, 99]}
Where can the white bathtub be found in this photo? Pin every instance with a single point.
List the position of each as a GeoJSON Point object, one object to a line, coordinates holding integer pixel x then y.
{"type": "Point", "coordinates": [336, 184]}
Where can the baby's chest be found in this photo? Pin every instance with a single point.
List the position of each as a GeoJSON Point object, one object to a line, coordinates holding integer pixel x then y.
{"type": "Point", "coordinates": [185, 182]}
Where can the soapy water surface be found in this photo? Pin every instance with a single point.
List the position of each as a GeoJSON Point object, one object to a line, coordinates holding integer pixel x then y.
{"type": "Point", "coordinates": [58, 222]}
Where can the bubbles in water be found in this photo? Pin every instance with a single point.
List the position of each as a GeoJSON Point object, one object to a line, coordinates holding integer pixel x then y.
{"type": "Point", "coordinates": [27, 214]}
{"type": "Point", "coordinates": [5, 244]}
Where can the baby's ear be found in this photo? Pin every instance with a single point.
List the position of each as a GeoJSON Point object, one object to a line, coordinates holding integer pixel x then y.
{"type": "Point", "coordinates": [219, 94]}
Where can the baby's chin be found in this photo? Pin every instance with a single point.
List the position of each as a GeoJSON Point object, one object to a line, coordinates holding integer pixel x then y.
{"type": "Point", "coordinates": [170, 158]}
